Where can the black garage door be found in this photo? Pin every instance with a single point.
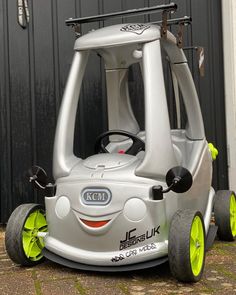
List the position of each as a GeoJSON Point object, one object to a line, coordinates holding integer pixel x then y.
{"type": "Point", "coordinates": [34, 63]}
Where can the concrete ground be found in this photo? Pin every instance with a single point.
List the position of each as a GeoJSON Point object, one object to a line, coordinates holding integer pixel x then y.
{"type": "Point", "coordinates": [49, 278]}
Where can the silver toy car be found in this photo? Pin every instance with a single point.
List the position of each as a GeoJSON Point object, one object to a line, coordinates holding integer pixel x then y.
{"type": "Point", "coordinates": [145, 196]}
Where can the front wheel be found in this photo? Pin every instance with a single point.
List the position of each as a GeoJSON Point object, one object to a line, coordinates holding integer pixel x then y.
{"type": "Point", "coordinates": [186, 246]}
{"type": "Point", "coordinates": [23, 245]}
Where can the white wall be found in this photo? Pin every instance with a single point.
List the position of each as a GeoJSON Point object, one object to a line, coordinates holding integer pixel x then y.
{"type": "Point", "coordinates": [229, 39]}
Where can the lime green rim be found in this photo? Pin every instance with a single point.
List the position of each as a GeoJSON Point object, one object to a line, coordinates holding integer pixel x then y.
{"type": "Point", "coordinates": [233, 215]}
{"type": "Point", "coordinates": [197, 247]}
{"type": "Point", "coordinates": [32, 244]}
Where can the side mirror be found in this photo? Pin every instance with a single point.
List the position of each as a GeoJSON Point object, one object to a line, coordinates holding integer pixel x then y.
{"type": "Point", "coordinates": [38, 177]}
{"type": "Point", "coordinates": [179, 179]}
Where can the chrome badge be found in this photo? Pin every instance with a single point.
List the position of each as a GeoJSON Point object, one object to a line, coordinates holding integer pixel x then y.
{"type": "Point", "coordinates": [96, 196]}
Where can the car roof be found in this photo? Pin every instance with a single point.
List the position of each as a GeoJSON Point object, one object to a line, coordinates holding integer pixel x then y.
{"type": "Point", "coordinates": [118, 35]}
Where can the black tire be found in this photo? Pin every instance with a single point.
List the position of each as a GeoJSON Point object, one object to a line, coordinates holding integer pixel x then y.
{"type": "Point", "coordinates": [13, 236]}
{"type": "Point", "coordinates": [179, 246]}
{"type": "Point", "coordinates": [222, 214]}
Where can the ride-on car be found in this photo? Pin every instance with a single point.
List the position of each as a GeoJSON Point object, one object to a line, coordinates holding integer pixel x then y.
{"type": "Point", "coordinates": [145, 196]}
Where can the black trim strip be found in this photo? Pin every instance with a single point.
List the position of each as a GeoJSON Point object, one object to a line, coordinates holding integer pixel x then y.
{"type": "Point", "coordinates": [122, 268]}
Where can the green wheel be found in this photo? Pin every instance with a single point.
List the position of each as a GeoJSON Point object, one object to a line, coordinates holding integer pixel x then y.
{"type": "Point", "coordinates": [186, 247]}
{"type": "Point", "coordinates": [225, 215]}
{"type": "Point", "coordinates": [23, 245]}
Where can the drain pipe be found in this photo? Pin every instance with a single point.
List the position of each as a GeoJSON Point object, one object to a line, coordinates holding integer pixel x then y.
{"type": "Point", "coordinates": [229, 47]}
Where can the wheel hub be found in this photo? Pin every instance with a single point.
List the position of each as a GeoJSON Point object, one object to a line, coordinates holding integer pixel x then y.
{"type": "Point", "coordinates": [197, 245]}
{"type": "Point", "coordinates": [233, 215]}
{"type": "Point", "coordinates": [35, 232]}
{"type": "Point", "coordinates": [32, 244]}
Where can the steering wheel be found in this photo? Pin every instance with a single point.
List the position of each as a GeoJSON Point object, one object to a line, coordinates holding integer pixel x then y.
{"type": "Point", "coordinates": [137, 145]}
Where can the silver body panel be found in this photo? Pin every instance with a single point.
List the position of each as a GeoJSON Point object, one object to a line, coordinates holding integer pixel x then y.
{"type": "Point", "coordinates": [118, 187]}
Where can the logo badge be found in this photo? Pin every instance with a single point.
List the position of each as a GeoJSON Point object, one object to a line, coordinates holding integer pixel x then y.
{"type": "Point", "coordinates": [135, 28]}
{"type": "Point", "coordinates": [96, 196]}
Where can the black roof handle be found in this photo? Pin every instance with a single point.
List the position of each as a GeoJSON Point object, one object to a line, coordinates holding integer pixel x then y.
{"type": "Point", "coordinates": [172, 7]}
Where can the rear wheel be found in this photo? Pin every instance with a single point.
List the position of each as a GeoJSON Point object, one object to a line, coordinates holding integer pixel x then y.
{"type": "Point", "coordinates": [186, 247]}
{"type": "Point", "coordinates": [225, 215]}
{"type": "Point", "coordinates": [23, 245]}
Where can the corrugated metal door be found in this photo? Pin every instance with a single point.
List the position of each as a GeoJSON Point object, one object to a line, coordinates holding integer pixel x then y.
{"type": "Point", "coordinates": [34, 63]}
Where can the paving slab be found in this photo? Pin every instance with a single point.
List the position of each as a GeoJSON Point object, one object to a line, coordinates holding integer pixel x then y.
{"type": "Point", "coordinates": [62, 287]}
{"type": "Point", "coordinates": [17, 283]}
{"type": "Point", "coordinates": [49, 278]}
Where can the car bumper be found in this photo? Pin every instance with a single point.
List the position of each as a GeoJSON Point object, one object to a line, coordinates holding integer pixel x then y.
{"type": "Point", "coordinates": [121, 268]}
{"type": "Point", "coordinates": [128, 256]}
